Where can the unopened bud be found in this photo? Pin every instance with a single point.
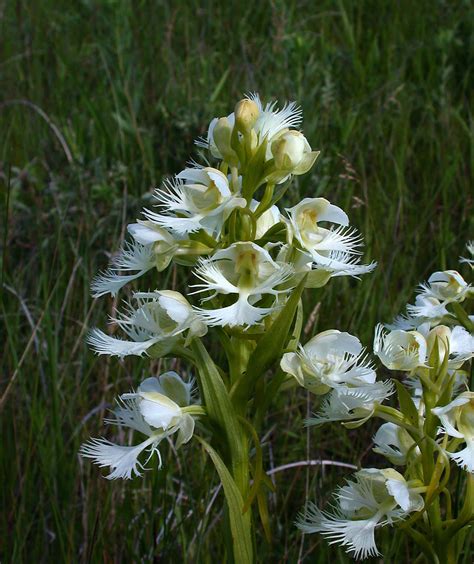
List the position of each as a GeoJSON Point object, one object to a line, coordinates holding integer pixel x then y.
{"type": "Point", "coordinates": [246, 113]}
{"type": "Point", "coordinates": [442, 334]}
{"type": "Point", "coordinates": [288, 150]}
{"type": "Point", "coordinates": [221, 136]}
{"type": "Point", "coordinates": [292, 153]}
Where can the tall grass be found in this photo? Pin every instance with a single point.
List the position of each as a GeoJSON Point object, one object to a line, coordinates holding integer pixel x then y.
{"type": "Point", "coordinates": [98, 101]}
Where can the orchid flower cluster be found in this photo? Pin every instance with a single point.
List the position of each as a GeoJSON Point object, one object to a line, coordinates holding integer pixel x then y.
{"type": "Point", "coordinates": [430, 438]}
{"type": "Point", "coordinates": [249, 263]}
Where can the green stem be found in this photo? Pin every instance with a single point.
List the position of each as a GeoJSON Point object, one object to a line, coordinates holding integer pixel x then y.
{"type": "Point", "coordinates": [394, 416]}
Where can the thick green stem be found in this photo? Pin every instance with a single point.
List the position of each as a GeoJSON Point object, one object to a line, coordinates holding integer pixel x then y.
{"type": "Point", "coordinates": [220, 409]}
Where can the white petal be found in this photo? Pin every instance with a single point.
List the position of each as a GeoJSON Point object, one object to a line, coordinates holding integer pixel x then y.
{"type": "Point", "coordinates": [122, 460]}
{"type": "Point", "coordinates": [158, 410]}
{"type": "Point", "coordinates": [146, 235]}
{"type": "Point", "coordinates": [105, 344]}
{"type": "Point", "coordinates": [127, 414]}
{"type": "Point", "coordinates": [357, 536]}
{"type": "Point", "coordinates": [133, 257]}
{"type": "Point", "coordinates": [464, 458]}
{"type": "Point", "coordinates": [240, 313]}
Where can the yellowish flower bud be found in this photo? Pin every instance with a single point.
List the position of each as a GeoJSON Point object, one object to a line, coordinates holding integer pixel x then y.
{"type": "Point", "coordinates": [246, 113]}
{"type": "Point", "coordinates": [221, 136]}
{"type": "Point", "coordinates": [288, 150]}
{"type": "Point", "coordinates": [292, 153]}
{"type": "Point", "coordinates": [442, 334]}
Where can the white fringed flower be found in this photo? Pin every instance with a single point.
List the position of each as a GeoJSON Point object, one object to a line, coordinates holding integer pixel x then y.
{"type": "Point", "coordinates": [328, 360]}
{"type": "Point", "coordinates": [446, 286]}
{"type": "Point", "coordinates": [400, 350]}
{"type": "Point", "coordinates": [152, 247]}
{"type": "Point", "coordinates": [135, 258]}
{"type": "Point", "coordinates": [199, 198]}
{"type": "Point", "coordinates": [374, 499]}
{"type": "Point", "coordinates": [394, 443]}
{"type": "Point", "coordinates": [157, 410]}
{"type": "Point", "coordinates": [352, 406]}
{"type": "Point", "coordinates": [247, 272]}
{"type": "Point", "coordinates": [336, 250]}
{"type": "Point", "coordinates": [457, 420]}
{"type": "Point", "coordinates": [442, 288]}
{"type": "Point", "coordinates": [159, 320]}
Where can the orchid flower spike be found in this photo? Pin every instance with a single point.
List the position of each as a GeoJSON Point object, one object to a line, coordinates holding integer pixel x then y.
{"type": "Point", "coordinates": [374, 498]}
{"type": "Point", "coordinates": [352, 406]}
{"type": "Point", "coordinates": [400, 350]}
{"type": "Point", "coordinates": [394, 442]}
{"type": "Point", "coordinates": [328, 360]}
{"type": "Point", "coordinates": [248, 272]}
{"type": "Point", "coordinates": [199, 198]}
{"type": "Point", "coordinates": [336, 250]}
{"type": "Point", "coordinates": [154, 327]}
{"type": "Point", "coordinates": [158, 409]}
{"type": "Point", "coordinates": [457, 420]}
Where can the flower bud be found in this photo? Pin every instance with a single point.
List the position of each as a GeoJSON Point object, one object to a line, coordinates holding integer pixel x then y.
{"type": "Point", "coordinates": [221, 136]}
{"type": "Point", "coordinates": [246, 113]}
{"type": "Point", "coordinates": [292, 153]}
{"type": "Point", "coordinates": [288, 150]}
{"type": "Point", "coordinates": [442, 335]}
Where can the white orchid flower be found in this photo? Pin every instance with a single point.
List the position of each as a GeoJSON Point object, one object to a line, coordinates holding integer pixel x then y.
{"type": "Point", "coordinates": [446, 286]}
{"type": "Point", "coordinates": [400, 350]}
{"type": "Point", "coordinates": [336, 250]}
{"type": "Point", "coordinates": [158, 409]}
{"type": "Point", "coordinates": [470, 250]}
{"type": "Point", "coordinates": [152, 247]}
{"type": "Point", "coordinates": [354, 406]}
{"type": "Point", "coordinates": [374, 499]}
{"type": "Point", "coordinates": [394, 443]}
{"type": "Point", "coordinates": [457, 420]}
{"type": "Point", "coordinates": [246, 271]}
{"type": "Point", "coordinates": [328, 360]}
{"type": "Point", "coordinates": [135, 258]}
{"type": "Point", "coordinates": [199, 198]}
{"type": "Point", "coordinates": [158, 322]}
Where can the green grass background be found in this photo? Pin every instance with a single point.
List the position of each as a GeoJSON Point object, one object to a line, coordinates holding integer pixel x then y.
{"type": "Point", "coordinates": [98, 101]}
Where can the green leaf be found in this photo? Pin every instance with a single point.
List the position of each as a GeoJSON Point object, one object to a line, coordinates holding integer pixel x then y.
{"type": "Point", "coordinates": [220, 409]}
{"type": "Point", "coordinates": [240, 522]}
{"type": "Point", "coordinates": [407, 407]}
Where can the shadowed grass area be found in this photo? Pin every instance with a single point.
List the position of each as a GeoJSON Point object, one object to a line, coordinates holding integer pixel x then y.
{"type": "Point", "coordinates": [98, 101]}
